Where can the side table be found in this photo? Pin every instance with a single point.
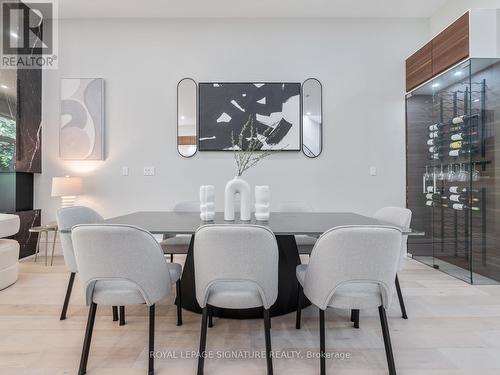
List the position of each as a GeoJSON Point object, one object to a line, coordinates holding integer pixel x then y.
{"type": "Point", "coordinates": [50, 227]}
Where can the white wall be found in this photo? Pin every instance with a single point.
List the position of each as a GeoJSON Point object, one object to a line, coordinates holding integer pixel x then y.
{"type": "Point", "coordinates": [454, 9]}
{"type": "Point", "coordinates": [360, 63]}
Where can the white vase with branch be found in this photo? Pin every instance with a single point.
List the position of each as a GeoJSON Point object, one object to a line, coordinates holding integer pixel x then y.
{"type": "Point", "coordinates": [247, 154]}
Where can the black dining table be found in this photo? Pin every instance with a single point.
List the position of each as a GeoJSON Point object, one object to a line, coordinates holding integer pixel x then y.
{"type": "Point", "coordinates": [285, 226]}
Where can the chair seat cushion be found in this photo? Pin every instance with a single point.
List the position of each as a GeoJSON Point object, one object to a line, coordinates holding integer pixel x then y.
{"type": "Point", "coordinates": [117, 293]}
{"type": "Point", "coordinates": [9, 253]}
{"type": "Point", "coordinates": [234, 295]}
{"type": "Point", "coordinates": [357, 295]}
{"type": "Point", "coordinates": [123, 292]}
{"type": "Point", "coordinates": [176, 245]}
{"type": "Point", "coordinates": [175, 270]}
{"type": "Point", "coordinates": [9, 225]}
{"type": "Point", "coordinates": [353, 295]}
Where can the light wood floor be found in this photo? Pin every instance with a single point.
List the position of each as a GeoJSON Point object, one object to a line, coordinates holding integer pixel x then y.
{"type": "Point", "coordinates": [454, 328]}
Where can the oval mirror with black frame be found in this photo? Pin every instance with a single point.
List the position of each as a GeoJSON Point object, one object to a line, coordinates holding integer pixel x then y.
{"type": "Point", "coordinates": [187, 128]}
{"type": "Point", "coordinates": [312, 118]}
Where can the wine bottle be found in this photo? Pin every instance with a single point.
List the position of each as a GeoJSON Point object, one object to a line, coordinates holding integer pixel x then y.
{"type": "Point", "coordinates": [441, 132]}
{"type": "Point", "coordinates": [435, 142]}
{"type": "Point", "coordinates": [435, 127]}
{"type": "Point", "coordinates": [434, 135]}
{"type": "Point", "coordinates": [430, 189]}
{"type": "Point", "coordinates": [458, 120]}
{"type": "Point", "coordinates": [430, 196]}
{"type": "Point", "coordinates": [432, 204]}
{"type": "Point", "coordinates": [462, 136]}
{"type": "Point", "coordinates": [460, 152]}
{"type": "Point", "coordinates": [460, 144]}
{"type": "Point", "coordinates": [436, 156]}
{"type": "Point", "coordinates": [435, 149]}
{"type": "Point", "coordinates": [461, 190]}
{"type": "Point", "coordinates": [461, 206]}
{"type": "Point", "coordinates": [459, 198]}
{"type": "Point", "coordinates": [458, 128]}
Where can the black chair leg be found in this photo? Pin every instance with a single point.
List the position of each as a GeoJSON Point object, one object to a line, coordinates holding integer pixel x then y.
{"type": "Point", "coordinates": [210, 316]}
{"type": "Point", "coordinates": [322, 346]}
{"type": "Point", "coordinates": [387, 340]}
{"type": "Point", "coordinates": [203, 341]}
{"type": "Point", "coordinates": [151, 362]}
{"type": "Point", "coordinates": [68, 295]}
{"type": "Point", "coordinates": [171, 258]}
{"type": "Point", "coordinates": [87, 339]}
{"type": "Point", "coordinates": [401, 301]}
{"type": "Point", "coordinates": [298, 316]}
{"type": "Point", "coordinates": [179, 302]}
{"type": "Point", "coordinates": [122, 315]}
{"type": "Point", "coordinates": [355, 318]}
{"type": "Point", "coordinates": [267, 332]}
{"type": "Point", "coordinates": [115, 313]}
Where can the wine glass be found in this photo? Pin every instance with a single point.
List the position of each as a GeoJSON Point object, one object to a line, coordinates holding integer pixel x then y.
{"type": "Point", "coordinates": [463, 175]}
{"type": "Point", "coordinates": [427, 175]}
{"type": "Point", "coordinates": [440, 175]}
{"type": "Point", "coordinates": [451, 176]}
{"type": "Point", "coordinates": [476, 175]}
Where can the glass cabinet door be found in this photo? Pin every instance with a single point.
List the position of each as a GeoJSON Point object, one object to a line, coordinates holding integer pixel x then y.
{"type": "Point", "coordinates": [451, 150]}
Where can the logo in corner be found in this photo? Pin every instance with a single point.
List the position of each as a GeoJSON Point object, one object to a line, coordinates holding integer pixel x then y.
{"type": "Point", "coordinates": [29, 34]}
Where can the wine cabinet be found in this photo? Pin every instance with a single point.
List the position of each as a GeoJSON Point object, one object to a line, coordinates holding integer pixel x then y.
{"type": "Point", "coordinates": [452, 168]}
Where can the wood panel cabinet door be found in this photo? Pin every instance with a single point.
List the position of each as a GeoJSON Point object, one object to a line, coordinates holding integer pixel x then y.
{"type": "Point", "coordinates": [419, 67]}
{"type": "Point", "coordinates": [451, 45]}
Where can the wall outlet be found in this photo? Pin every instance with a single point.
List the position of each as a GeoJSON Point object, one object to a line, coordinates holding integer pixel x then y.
{"type": "Point", "coordinates": [124, 171]}
{"type": "Point", "coordinates": [149, 171]}
{"type": "Point", "coordinates": [373, 171]}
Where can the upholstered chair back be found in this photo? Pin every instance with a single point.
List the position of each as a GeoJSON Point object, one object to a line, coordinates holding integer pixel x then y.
{"type": "Point", "coordinates": [353, 254]}
{"type": "Point", "coordinates": [224, 253]}
{"type": "Point", "coordinates": [68, 217]}
{"type": "Point", "coordinates": [400, 217]}
{"type": "Point", "coordinates": [121, 253]}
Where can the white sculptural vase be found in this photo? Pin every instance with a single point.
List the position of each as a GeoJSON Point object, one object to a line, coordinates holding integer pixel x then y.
{"type": "Point", "coordinates": [237, 186]}
{"type": "Point", "coordinates": [262, 203]}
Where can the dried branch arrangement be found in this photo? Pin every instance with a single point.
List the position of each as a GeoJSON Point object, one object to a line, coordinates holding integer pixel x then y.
{"type": "Point", "coordinates": [249, 156]}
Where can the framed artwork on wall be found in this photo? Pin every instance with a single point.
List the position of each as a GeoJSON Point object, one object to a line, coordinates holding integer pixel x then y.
{"type": "Point", "coordinates": [81, 132]}
{"type": "Point", "coordinates": [272, 108]}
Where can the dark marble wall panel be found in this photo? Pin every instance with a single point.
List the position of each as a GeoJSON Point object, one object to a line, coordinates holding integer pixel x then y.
{"type": "Point", "coordinates": [27, 240]}
{"type": "Point", "coordinates": [29, 121]}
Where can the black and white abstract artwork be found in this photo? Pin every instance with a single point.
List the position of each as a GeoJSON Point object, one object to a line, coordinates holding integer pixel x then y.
{"type": "Point", "coordinates": [224, 108]}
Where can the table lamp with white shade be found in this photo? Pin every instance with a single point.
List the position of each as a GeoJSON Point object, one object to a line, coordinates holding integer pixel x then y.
{"type": "Point", "coordinates": [67, 188]}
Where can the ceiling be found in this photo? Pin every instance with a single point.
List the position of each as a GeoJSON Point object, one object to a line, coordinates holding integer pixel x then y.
{"type": "Point", "coordinates": [247, 8]}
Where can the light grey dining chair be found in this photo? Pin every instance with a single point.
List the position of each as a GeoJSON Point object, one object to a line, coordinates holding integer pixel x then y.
{"type": "Point", "coordinates": [179, 244]}
{"type": "Point", "coordinates": [304, 242]}
{"type": "Point", "coordinates": [400, 217]}
{"type": "Point", "coordinates": [352, 267]}
{"type": "Point", "coordinates": [68, 217]}
{"type": "Point", "coordinates": [122, 265]}
{"type": "Point", "coordinates": [236, 267]}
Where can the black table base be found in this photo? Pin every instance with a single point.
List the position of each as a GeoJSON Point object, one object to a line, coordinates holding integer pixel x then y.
{"type": "Point", "coordinates": [287, 284]}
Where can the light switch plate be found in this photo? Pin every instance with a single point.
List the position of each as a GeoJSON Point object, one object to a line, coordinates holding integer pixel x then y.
{"type": "Point", "coordinates": [373, 171]}
{"type": "Point", "coordinates": [149, 171]}
{"type": "Point", "coordinates": [124, 171]}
